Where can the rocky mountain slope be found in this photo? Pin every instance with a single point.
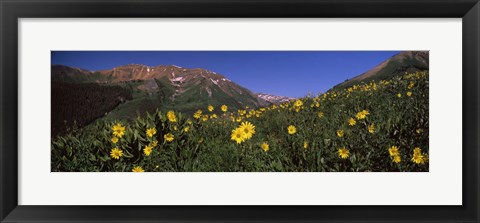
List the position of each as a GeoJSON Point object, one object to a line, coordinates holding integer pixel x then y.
{"type": "Point", "coordinates": [407, 61]}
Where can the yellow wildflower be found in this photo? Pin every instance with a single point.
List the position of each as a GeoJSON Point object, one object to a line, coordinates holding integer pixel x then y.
{"type": "Point", "coordinates": [171, 116]}
{"type": "Point", "coordinates": [238, 135]}
{"type": "Point", "coordinates": [291, 129]}
{"type": "Point", "coordinates": [148, 150]}
{"type": "Point", "coordinates": [340, 133]}
{"type": "Point", "coordinates": [305, 144]}
{"type": "Point", "coordinates": [343, 153]}
{"type": "Point", "coordinates": [409, 94]}
{"type": "Point", "coordinates": [204, 118]}
{"type": "Point", "coordinates": [210, 108]}
{"type": "Point", "coordinates": [298, 103]}
{"type": "Point", "coordinates": [320, 114]}
{"type": "Point", "coordinates": [399, 95]}
{"type": "Point", "coordinates": [248, 129]}
{"type": "Point", "coordinates": [154, 143]}
{"type": "Point", "coordinates": [118, 130]}
{"type": "Point", "coordinates": [138, 169]}
{"type": "Point", "coordinates": [116, 153]}
{"type": "Point", "coordinates": [371, 128]}
{"type": "Point", "coordinates": [352, 122]}
{"type": "Point", "coordinates": [197, 114]}
{"type": "Point", "coordinates": [186, 129]}
{"type": "Point", "coordinates": [362, 115]}
{"type": "Point", "coordinates": [168, 137]}
{"type": "Point", "coordinates": [151, 132]}
{"type": "Point", "coordinates": [265, 146]}
{"type": "Point", "coordinates": [418, 157]}
{"type": "Point", "coordinates": [417, 150]}
{"type": "Point", "coordinates": [393, 151]}
{"type": "Point", "coordinates": [397, 159]}
{"type": "Point", "coordinates": [114, 140]}
{"type": "Point", "coordinates": [224, 108]}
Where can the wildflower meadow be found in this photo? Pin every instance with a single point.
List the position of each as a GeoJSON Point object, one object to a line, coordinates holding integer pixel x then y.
{"type": "Point", "coordinates": [379, 126]}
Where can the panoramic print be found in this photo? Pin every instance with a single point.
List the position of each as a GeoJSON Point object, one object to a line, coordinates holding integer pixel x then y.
{"type": "Point", "coordinates": [239, 111]}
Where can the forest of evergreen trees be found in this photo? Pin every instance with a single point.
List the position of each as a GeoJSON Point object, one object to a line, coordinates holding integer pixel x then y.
{"type": "Point", "coordinates": [82, 103]}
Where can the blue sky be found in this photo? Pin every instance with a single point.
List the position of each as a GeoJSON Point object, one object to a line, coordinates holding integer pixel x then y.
{"type": "Point", "coordinates": [286, 73]}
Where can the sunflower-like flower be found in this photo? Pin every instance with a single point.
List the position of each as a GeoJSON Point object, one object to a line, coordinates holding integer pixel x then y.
{"type": "Point", "coordinates": [116, 153]}
{"type": "Point", "coordinates": [298, 103]}
{"type": "Point", "coordinates": [397, 159]}
{"type": "Point", "coordinates": [340, 133]}
{"type": "Point", "coordinates": [248, 129]}
{"type": "Point", "coordinates": [138, 169]}
{"type": "Point", "coordinates": [291, 129]}
{"type": "Point", "coordinates": [171, 116]}
{"type": "Point", "coordinates": [148, 150]}
{"type": "Point", "coordinates": [224, 108]}
{"type": "Point", "coordinates": [210, 108]}
{"type": "Point", "coordinates": [204, 118]}
{"type": "Point", "coordinates": [343, 153]}
{"type": "Point", "coordinates": [419, 157]}
{"type": "Point", "coordinates": [371, 128]}
{"type": "Point", "coordinates": [197, 114]}
{"type": "Point", "coordinates": [265, 146]}
{"type": "Point", "coordinates": [362, 115]}
{"type": "Point", "coordinates": [118, 130]}
{"type": "Point", "coordinates": [114, 140]}
{"type": "Point", "coordinates": [394, 151]}
{"type": "Point", "coordinates": [151, 132]}
{"type": "Point", "coordinates": [168, 137]}
{"type": "Point", "coordinates": [238, 135]}
{"type": "Point", "coordinates": [352, 122]}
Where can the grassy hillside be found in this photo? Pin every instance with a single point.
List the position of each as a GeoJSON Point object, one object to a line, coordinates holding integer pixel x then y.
{"type": "Point", "coordinates": [159, 94]}
{"type": "Point", "coordinates": [378, 126]}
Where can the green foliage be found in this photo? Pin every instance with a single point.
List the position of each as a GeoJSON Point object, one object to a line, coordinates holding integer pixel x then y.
{"type": "Point", "coordinates": [207, 146]}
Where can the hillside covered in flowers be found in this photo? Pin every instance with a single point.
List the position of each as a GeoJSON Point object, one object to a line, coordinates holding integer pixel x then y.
{"type": "Point", "coordinates": [370, 127]}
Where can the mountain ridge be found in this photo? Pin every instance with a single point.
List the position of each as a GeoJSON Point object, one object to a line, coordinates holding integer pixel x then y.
{"type": "Point", "coordinates": [166, 86]}
{"type": "Point", "coordinates": [406, 61]}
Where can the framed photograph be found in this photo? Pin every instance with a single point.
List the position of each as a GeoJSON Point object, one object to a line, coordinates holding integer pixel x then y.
{"type": "Point", "coordinates": [268, 111]}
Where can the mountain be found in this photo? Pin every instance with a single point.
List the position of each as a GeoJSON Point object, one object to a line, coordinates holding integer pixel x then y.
{"type": "Point", "coordinates": [407, 61]}
{"type": "Point", "coordinates": [163, 87]}
{"type": "Point", "coordinates": [274, 99]}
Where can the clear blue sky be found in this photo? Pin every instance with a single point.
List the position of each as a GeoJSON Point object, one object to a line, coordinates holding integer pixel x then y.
{"type": "Point", "coordinates": [286, 73]}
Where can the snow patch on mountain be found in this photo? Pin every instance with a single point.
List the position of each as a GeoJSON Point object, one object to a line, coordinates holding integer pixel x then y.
{"type": "Point", "coordinates": [178, 79]}
{"type": "Point", "coordinates": [214, 81]}
{"type": "Point", "coordinates": [209, 91]}
{"type": "Point", "coordinates": [275, 99]}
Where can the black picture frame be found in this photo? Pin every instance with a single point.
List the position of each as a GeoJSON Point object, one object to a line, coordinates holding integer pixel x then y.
{"type": "Point", "coordinates": [12, 10]}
